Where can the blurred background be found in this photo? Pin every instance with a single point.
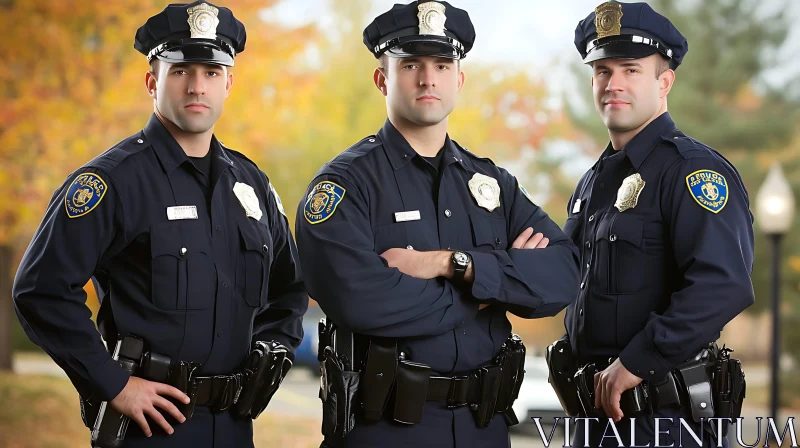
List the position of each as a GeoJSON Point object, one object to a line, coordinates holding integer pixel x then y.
{"type": "Point", "coordinates": [72, 86]}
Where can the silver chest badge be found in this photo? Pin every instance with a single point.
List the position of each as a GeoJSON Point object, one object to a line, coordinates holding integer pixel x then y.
{"type": "Point", "coordinates": [485, 190]}
{"type": "Point", "coordinates": [628, 193]}
{"type": "Point", "coordinates": [247, 197]}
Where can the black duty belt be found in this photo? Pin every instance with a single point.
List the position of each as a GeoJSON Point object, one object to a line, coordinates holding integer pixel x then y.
{"type": "Point", "coordinates": [219, 391]}
{"type": "Point", "coordinates": [455, 391]}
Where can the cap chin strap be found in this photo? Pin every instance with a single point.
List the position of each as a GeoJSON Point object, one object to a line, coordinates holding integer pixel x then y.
{"type": "Point", "coordinates": [633, 38]}
{"type": "Point", "coordinates": [173, 44]}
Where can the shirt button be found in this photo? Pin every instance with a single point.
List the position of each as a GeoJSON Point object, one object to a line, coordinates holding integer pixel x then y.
{"type": "Point", "coordinates": [652, 372]}
{"type": "Point", "coordinates": [224, 284]}
{"type": "Point", "coordinates": [588, 245]}
{"type": "Point", "coordinates": [220, 333]}
{"type": "Point", "coordinates": [448, 213]}
{"type": "Point", "coordinates": [583, 284]}
{"type": "Point", "coordinates": [184, 250]}
{"type": "Point", "coordinates": [602, 185]}
{"type": "Point", "coordinates": [497, 242]}
{"type": "Point", "coordinates": [265, 248]}
{"type": "Point", "coordinates": [219, 227]}
{"type": "Point", "coordinates": [580, 312]}
{"type": "Point", "coordinates": [587, 265]}
{"type": "Point", "coordinates": [591, 218]}
{"type": "Point", "coordinates": [139, 141]}
{"type": "Point", "coordinates": [613, 237]}
{"type": "Point", "coordinates": [409, 247]}
{"type": "Point", "coordinates": [372, 140]}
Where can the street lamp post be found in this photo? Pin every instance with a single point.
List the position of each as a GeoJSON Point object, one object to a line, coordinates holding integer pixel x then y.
{"type": "Point", "coordinates": [774, 213]}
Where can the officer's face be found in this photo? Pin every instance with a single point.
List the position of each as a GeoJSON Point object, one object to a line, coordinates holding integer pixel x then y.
{"type": "Point", "coordinates": [421, 90]}
{"type": "Point", "coordinates": [628, 93]}
{"type": "Point", "coordinates": [190, 95]}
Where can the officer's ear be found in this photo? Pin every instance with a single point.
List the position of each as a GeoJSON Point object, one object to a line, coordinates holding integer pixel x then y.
{"type": "Point", "coordinates": [151, 79]}
{"type": "Point", "coordinates": [461, 77]}
{"type": "Point", "coordinates": [665, 82]}
{"type": "Point", "coordinates": [229, 83]}
{"type": "Point", "coordinates": [379, 78]}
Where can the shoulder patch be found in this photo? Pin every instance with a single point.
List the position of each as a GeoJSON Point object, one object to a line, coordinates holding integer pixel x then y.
{"type": "Point", "coordinates": [277, 200]}
{"type": "Point", "coordinates": [322, 201]}
{"type": "Point", "coordinates": [709, 189]}
{"type": "Point", "coordinates": [85, 193]}
{"type": "Point", "coordinates": [525, 192]}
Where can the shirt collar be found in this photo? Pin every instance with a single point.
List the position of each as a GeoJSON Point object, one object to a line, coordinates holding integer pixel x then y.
{"type": "Point", "coordinates": [170, 153]}
{"type": "Point", "coordinates": [400, 152]}
{"type": "Point", "coordinates": [648, 138]}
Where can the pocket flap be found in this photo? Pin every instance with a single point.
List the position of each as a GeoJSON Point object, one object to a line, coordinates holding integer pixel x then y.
{"type": "Point", "coordinates": [178, 239]}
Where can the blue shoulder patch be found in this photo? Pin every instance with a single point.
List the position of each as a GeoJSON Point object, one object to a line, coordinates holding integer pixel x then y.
{"type": "Point", "coordinates": [322, 201]}
{"type": "Point", "coordinates": [709, 189]}
{"type": "Point", "coordinates": [278, 201]}
{"type": "Point", "coordinates": [85, 193]}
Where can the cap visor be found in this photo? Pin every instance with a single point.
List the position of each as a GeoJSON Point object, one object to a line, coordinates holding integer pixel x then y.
{"type": "Point", "coordinates": [201, 53]}
{"type": "Point", "coordinates": [422, 46]}
{"type": "Point", "coordinates": [620, 50]}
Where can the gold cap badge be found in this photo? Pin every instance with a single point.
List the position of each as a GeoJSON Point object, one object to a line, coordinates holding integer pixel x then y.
{"type": "Point", "coordinates": [628, 193]}
{"type": "Point", "coordinates": [203, 21]}
{"type": "Point", "coordinates": [608, 19]}
{"type": "Point", "coordinates": [431, 18]}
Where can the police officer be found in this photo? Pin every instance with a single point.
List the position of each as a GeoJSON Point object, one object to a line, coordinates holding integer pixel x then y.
{"type": "Point", "coordinates": [408, 235]}
{"type": "Point", "coordinates": [662, 222]}
{"type": "Point", "coordinates": [186, 239]}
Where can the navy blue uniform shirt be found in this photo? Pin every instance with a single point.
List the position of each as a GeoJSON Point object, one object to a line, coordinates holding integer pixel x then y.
{"type": "Point", "coordinates": [348, 220]}
{"type": "Point", "coordinates": [659, 280]}
{"type": "Point", "coordinates": [199, 290]}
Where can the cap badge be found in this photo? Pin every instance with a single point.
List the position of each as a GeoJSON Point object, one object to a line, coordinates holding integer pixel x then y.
{"type": "Point", "coordinates": [608, 19]}
{"type": "Point", "coordinates": [431, 18]}
{"type": "Point", "coordinates": [203, 21]}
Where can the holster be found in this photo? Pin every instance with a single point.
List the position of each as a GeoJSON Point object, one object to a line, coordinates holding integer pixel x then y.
{"type": "Point", "coordinates": [338, 393]}
{"type": "Point", "coordinates": [379, 376]}
{"type": "Point", "coordinates": [633, 402]}
{"type": "Point", "coordinates": [265, 370]}
{"type": "Point", "coordinates": [109, 428]}
{"type": "Point", "coordinates": [499, 384]}
{"type": "Point", "coordinates": [512, 363]}
{"type": "Point", "coordinates": [729, 386]}
{"type": "Point", "coordinates": [562, 367]}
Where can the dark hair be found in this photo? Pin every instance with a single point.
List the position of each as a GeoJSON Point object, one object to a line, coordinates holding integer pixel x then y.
{"type": "Point", "coordinates": [662, 65]}
{"type": "Point", "coordinates": [382, 62]}
{"type": "Point", "coordinates": [155, 65]}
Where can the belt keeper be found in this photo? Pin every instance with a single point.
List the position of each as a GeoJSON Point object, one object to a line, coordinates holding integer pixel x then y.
{"type": "Point", "coordinates": [453, 389]}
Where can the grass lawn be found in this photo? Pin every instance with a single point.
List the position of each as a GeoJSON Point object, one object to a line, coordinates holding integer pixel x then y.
{"type": "Point", "coordinates": [43, 412]}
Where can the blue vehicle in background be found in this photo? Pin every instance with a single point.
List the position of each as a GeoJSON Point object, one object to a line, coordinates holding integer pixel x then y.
{"type": "Point", "coordinates": [306, 354]}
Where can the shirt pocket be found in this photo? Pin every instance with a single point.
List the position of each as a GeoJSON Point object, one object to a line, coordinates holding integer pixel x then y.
{"type": "Point", "coordinates": [628, 259]}
{"type": "Point", "coordinates": [488, 232]}
{"type": "Point", "coordinates": [252, 267]}
{"type": "Point", "coordinates": [183, 276]}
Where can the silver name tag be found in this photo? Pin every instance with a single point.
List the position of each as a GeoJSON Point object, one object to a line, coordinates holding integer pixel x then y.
{"type": "Point", "coordinates": [407, 216]}
{"type": "Point", "coordinates": [576, 208]}
{"type": "Point", "coordinates": [182, 212]}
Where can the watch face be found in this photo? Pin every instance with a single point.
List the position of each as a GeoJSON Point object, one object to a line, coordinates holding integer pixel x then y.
{"type": "Point", "coordinates": [461, 258]}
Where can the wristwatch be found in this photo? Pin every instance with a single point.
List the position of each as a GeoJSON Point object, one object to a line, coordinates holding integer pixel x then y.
{"type": "Point", "coordinates": [461, 261]}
